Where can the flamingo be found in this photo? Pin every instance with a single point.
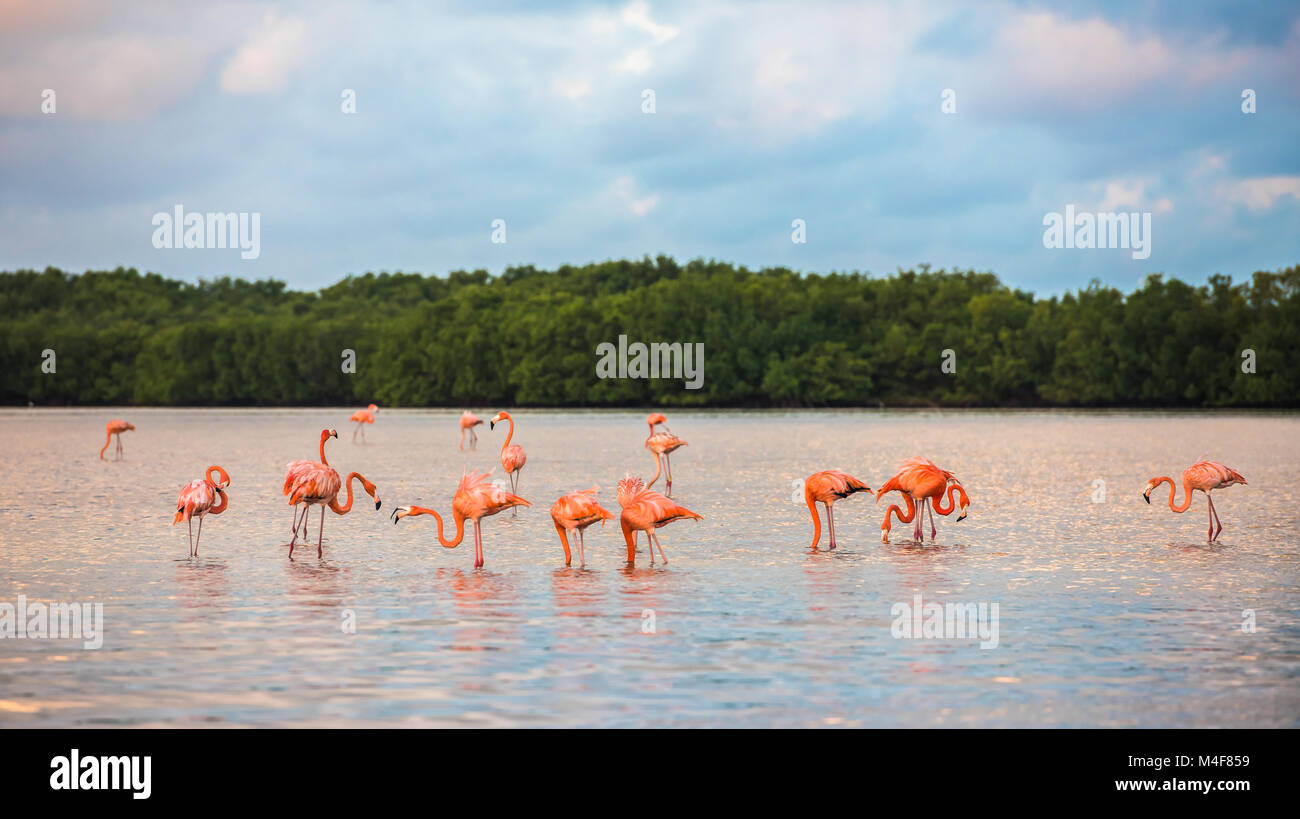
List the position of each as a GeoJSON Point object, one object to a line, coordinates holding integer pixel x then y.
{"type": "Point", "coordinates": [645, 510]}
{"type": "Point", "coordinates": [575, 512]}
{"type": "Point", "coordinates": [512, 456]}
{"type": "Point", "coordinates": [200, 498]}
{"type": "Point", "coordinates": [475, 499]}
{"type": "Point", "coordinates": [922, 483]}
{"type": "Point", "coordinates": [661, 444]}
{"type": "Point", "coordinates": [318, 484]}
{"type": "Point", "coordinates": [828, 487]}
{"type": "Point", "coordinates": [1205, 476]}
{"type": "Point", "coordinates": [115, 427]}
{"type": "Point", "coordinates": [362, 417]}
{"type": "Point", "coordinates": [468, 421]}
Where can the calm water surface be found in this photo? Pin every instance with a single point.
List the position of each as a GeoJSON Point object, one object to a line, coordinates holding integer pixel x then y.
{"type": "Point", "coordinates": [1111, 614]}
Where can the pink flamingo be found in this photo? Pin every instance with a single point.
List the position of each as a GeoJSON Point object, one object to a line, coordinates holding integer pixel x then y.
{"type": "Point", "coordinates": [1203, 476]}
{"type": "Point", "coordinates": [363, 417]}
{"type": "Point", "coordinates": [318, 484]}
{"type": "Point", "coordinates": [474, 500]}
{"type": "Point", "coordinates": [468, 421]}
{"type": "Point", "coordinates": [645, 510]}
{"type": "Point", "coordinates": [512, 455]}
{"type": "Point", "coordinates": [199, 498]}
{"type": "Point", "coordinates": [662, 444]}
{"type": "Point", "coordinates": [575, 512]}
{"type": "Point", "coordinates": [828, 487]}
{"type": "Point", "coordinates": [115, 427]}
{"type": "Point", "coordinates": [922, 482]}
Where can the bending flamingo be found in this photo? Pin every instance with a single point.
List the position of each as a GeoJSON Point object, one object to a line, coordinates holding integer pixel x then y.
{"type": "Point", "coordinates": [645, 510]}
{"type": "Point", "coordinates": [363, 417]}
{"type": "Point", "coordinates": [575, 512]}
{"type": "Point", "coordinates": [474, 500]}
{"type": "Point", "coordinates": [922, 482]}
{"type": "Point", "coordinates": [1203, 476]}
{"type": "Point", "coordinates": [115, 427]}
{"type": "Point", "coordinates": [199, 498]}
{"type": "Point", "coordinates": [512, 455]}
{"type": "Point", "coordinates": [468, 421]}
{"type": "Point", "coordinates": [662, 444]}
{"type": "Point", "coordinates": [828, 487]}
{"type": "Point", "coordinates": [318, 484]}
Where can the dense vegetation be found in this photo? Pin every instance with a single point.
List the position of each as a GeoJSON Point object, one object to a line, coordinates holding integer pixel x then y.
{"type": "Point", "coordinates": [529, 337]}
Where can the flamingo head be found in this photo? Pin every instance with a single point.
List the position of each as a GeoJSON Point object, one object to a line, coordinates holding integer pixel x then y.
{"type": "Point", "coordinates": [400, 512]}
{"type": "Point", "coordinates": [371, 491]}
{"type": "Point", "coordinates": [1146, 491]}
{"type": "Point", "coordinates": [964, 507]}
{"type": "Point", "coordinates": [223, 478]}
{"type": "Point", "coordinates": [498, 418]}
{"type": "Point", "coordinates": [132, 426]}
{"type": "Point", "coordinates": [656, 418]}
{"type": "Point", "coordinates": [373, 407]}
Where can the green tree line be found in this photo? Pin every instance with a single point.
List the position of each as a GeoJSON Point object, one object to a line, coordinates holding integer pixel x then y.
{"type": "Point", "coordinates": [528, 337]}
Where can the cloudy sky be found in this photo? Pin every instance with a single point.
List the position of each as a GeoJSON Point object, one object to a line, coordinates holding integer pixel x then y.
{"type": "Point", "coordinates": [764, 112]}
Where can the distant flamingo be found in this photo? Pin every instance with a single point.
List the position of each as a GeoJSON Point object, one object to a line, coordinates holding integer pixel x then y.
{"type": "Point", "coordinates": [115, 427]}
{"type": "Point", "coordinates": [512, 455]}
{"type": "Point", "coordinates": [828, 487]}
{"type": "Point", "coordinates": [468, 421]}
{"type": "Point", "coordinates": [575, 512]}
{"type": "Point", "coordinates": [318, 484]}
{"type": "Point", "coordinates": [1203, 476]}
{"type": "Point", "coordinates": [661, 444]}
{"type": "Point", "coordinates": [645, 510]}
{"type": "Point", "coordinates": [363, 417]}
{"type": "Point", "coordinates": [922, 483]}
{"type": "Point", "coordinates": [199, 498]}
{"type": "Point", "coordinates": [475, 499]}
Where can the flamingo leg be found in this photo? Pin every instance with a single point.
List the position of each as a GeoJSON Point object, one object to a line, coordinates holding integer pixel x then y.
{"type": "Point", "coordinates": [1214, 519]}
{"type": "Point", "coordinates": [668, 471]}
{"type": "Point", "coordinates": [320, 537]}
{"type": "Point", "coordinates": [478, 546]}
{"type": "Point", "coordinates": [582, 555]}
{"type": "Point", "coordinates": [355, 431]}
{"type": "Point", "coordinates": [830, 523]}
{"type": "Point", "coordinates": [916, 521]}
{"type": "Point", "coordinates": [198, 537]}
{"type": "Point", "coordinates": [661, 550]}
{"type": "Point", "coordinates": [930, 510]}
{"type": "Point", "coordinates": [190, 521]}
{"type": "Point", "coordinates": [461, 445]}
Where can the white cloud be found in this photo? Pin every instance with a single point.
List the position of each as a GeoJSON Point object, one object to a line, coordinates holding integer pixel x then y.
{"type": "Point", "coordinates": [637, 15]}
{"type": "Point", "coordinates": [263, 63]}
{"type": "Point", "coordinates": [1131, 194]}
{"type": "Point", "coordinates": [1262, 192]}
{"type": "Point", "coordinates": [625, 190]}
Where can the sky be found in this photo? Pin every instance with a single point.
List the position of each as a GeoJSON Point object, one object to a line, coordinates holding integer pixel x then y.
{"type": "Point", "coordinates": [899, 133]}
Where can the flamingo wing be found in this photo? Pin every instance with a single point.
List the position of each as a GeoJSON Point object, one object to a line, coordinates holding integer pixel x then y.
{"type": "Point", "coordinates": [317, 484]}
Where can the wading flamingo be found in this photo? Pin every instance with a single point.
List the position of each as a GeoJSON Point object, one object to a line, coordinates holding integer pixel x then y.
{"type": "Point", "coordinates": [468, 421]}
{"type": "Point", "coordinates": [645, 510]}
{"type": "Point", "coordinates": [922, 483]}
{"type": "Point", "coordinates": [363, 417]}
{"type": "Point", "coordinates": [115, 427]}
{"type": "Point", "coordinates": [318, 484]}
{"type": "Point", "coordinates": [475, 499]}
{"type": "Point", "coordinates": [512, 455]}
{"type": "Point", "coordinates": [828, 487]}
{"type": "Point", "coordinates": [199, 498]}
{"type": "Point", "coordinates": [661, 444]}
{"type": "Point", "coordinates": [575, 512]}
{"type": "Point", "coordinates": [1205, 476]}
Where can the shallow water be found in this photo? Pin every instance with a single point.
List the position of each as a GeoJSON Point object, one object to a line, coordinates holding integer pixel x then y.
{"type": "Point", "coordinates": [1110, 614]}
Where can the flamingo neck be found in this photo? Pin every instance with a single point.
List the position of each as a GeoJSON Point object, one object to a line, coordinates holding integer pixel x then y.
{"type": "Point", "coordinates": [817, 520]}
{"type": "Point", "coordinates": [898, 513]}
{"type": "Point", "coordinates": [220, 507]}
{"type": "Point", "coordinates": [347, 507]}
{"type": "Point", "coordinates": [952, 490]}
{"type": "Point", "coordinates": [510, 434]}
{"type": "Point", "coordinates": [323, 439]}
{"type": "Point", "coordinates": [629, 538]}
{"type": "Point", "coordinates": [658, 467]}
{"type": "Point", "coordinates": [108, 439]}
{"type": "Point", "coordinates": [1173, 490]}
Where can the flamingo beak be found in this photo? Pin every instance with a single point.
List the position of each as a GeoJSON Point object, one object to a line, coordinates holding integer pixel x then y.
{"type": "Point", "coordinates": [963, 515]}
{"type": "Point", "coordinates": [1146, 497]}
{"type": "Point", "coordinates": [398, 514]}
{"type": "Point", "coordinates": [377, 504]}
{"type": "Point", "coordinates": [492, 424]}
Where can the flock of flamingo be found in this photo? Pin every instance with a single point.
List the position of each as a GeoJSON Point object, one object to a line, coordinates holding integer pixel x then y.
{"type": "Point", "coordinates": [925, 489]}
